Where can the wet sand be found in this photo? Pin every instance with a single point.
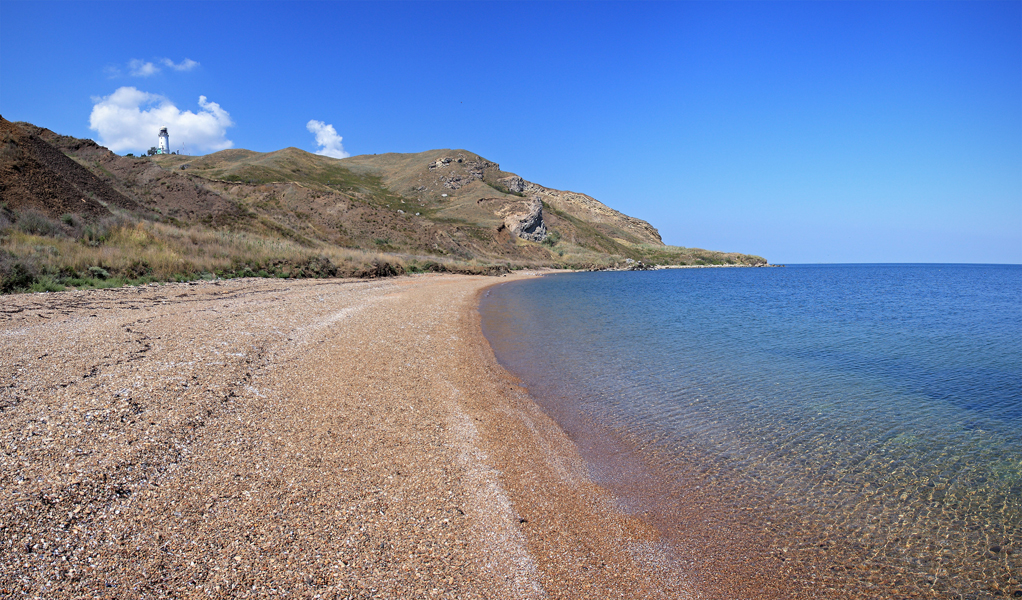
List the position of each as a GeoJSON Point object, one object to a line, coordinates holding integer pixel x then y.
{"type": "Point", "coordinates": [256, 438]}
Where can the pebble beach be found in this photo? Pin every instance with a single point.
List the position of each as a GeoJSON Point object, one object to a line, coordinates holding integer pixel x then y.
{"type": "Point", "coordinates": [292, 438]}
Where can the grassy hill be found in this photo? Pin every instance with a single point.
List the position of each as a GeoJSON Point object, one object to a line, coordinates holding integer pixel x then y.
{"type": "Point", "coordinates": [73, 213]}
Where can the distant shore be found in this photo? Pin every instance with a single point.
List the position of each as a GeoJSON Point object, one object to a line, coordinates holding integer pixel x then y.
{"type": "Point", "coordinates": [659, 267]}
{"type": "Point", "coordinates": [640, 266]}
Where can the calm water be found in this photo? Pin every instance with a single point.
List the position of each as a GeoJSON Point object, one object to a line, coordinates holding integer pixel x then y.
{"type": "Point", "coordinates": [871, 411]}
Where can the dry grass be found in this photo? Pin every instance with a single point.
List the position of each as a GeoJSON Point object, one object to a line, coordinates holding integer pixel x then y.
{"type": "Point", "coordinates": [129, 251]}
{"type": "Point", "coordinates": [143, 251]}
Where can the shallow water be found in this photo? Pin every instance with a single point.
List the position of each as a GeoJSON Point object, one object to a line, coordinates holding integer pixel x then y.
{"type": "Point", "coordinates": [868, 417]}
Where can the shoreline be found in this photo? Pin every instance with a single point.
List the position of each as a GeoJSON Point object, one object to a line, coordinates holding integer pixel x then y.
{"type": "Point", "coordinates": [346, 438]}
{"type": "Point", "coordinates": [750, 490]}
{"type": "Point", "coordinates": [717, 545]}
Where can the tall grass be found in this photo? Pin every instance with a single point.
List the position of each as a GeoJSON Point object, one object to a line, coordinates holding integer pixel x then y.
{"type": "Point", "coordinates": [40, 254]}
{"type": "Point", "coordinates": [144, 251]}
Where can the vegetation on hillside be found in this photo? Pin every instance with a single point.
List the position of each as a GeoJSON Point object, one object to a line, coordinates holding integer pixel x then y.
{"type": "Point", "coordinates": [73, 214]}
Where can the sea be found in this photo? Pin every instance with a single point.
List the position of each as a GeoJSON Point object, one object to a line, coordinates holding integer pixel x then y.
{"type": "Point", "coordinates": [858, 425]}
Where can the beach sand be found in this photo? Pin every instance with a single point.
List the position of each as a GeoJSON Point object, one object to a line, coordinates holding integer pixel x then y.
{"type": "Point", "coordinates": [302, 438]}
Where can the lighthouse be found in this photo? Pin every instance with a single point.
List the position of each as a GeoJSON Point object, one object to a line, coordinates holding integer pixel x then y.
{"type": "Point", "coordinates": [164, 147]}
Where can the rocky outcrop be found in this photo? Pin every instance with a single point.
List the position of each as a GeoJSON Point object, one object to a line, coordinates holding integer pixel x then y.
{"type": "Point", "coordinates": [586, 208]}
{"type": "Point", "coordinates": [523, 218]}
{"type": "Point", "coordinates": [514, 184]}
{"type": "Point", "coordinates": [457, 171]}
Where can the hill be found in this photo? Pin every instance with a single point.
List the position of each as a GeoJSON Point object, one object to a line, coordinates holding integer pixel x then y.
{"type": "Point", "coordinates": [36, 176]}
{"type": "Point", "coordinates": [292, 213]}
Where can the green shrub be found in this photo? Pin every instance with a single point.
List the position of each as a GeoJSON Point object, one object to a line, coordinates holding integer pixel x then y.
{"type": "Point", "coordinates": [46, 284]}
{"type": "Point", "coordinates": [15, 274]}
{"type": "Point", "coordinates": [36, 223]}
{"type": "Point", "coordinates": [552, 238]}
{"type": "Point", "coordinates": [99, 272]}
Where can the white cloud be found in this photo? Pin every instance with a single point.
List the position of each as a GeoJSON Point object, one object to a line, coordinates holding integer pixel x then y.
{"type": "Point", "coordinates": [130, 119]}
{"type": "Point", "coordinates": [185, 65]}
{"type": "Point", "coordinates": [327, 138]}
{"type": "Point", "coordinates": [141, 68]}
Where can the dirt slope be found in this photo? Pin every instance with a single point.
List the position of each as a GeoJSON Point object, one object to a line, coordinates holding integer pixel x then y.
{"type": "Point", "coordinates": [35, 175]}
{"type": "Point", "coordinates": [165, 193]}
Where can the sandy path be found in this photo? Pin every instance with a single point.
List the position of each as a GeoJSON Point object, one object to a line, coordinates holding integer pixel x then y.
{"type": "Point", "coordinates": [257, 438]}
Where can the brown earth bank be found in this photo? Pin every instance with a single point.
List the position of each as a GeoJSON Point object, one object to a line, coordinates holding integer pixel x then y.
{"type": "Point", "coordinates": [300, 438]}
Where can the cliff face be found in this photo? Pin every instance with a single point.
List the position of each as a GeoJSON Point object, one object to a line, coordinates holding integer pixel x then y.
{"type": "Point", "coordinates": [523, 218]}
{"type": "Point", "coordinates": [584, 207]}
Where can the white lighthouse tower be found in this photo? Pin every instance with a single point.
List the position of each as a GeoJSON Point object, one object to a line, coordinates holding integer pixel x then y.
{"type": "Point", "coordinates": [164, 147]}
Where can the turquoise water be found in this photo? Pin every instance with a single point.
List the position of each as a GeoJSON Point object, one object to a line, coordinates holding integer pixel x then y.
{"type": "Point", "coordinates": [869, 413]}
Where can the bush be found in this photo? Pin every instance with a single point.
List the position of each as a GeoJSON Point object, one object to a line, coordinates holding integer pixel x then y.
{"type": "Point", "coordinates": [321, 266]}
{"type": "Point", "coordinates": [46, 284]}
{"type": "Point", "coordinates": [15, 274]}
{"type": "Point", "coordinates": [137, 270]}
{"type": "Point", "coordinates": [99, 272]}
{"type": "Point", "coordinates": [379, 268]}
{"type": "Point", "coordinates": [36, 223]}
{"type": "Point", "coordinates": [100, 232]}
{"type": "Point", "coordinates": [551, 239]}
{"type": "Point", "coordinates": [74, 223]}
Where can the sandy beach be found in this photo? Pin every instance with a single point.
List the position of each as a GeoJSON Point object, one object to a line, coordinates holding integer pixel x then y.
{"type": "Point", "coordinates": [300, 438]}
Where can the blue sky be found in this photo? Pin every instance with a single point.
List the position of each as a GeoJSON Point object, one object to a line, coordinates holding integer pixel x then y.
{"type": "Point", "coordinates": [802, 132]}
